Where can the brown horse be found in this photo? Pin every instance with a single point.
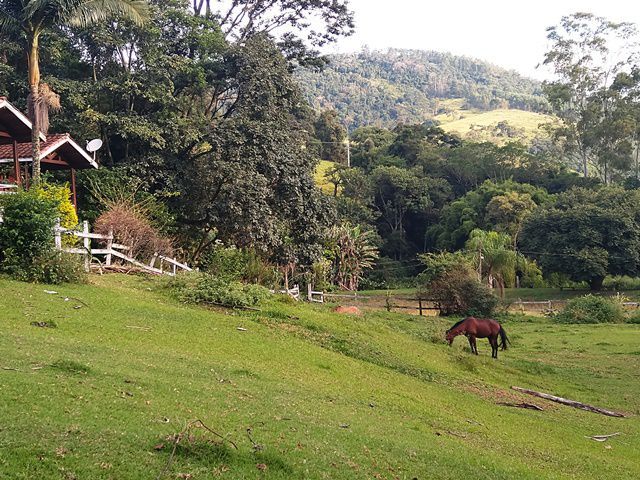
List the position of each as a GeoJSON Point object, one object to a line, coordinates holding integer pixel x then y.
{"type": "Point", "coordinates": [473, 328]}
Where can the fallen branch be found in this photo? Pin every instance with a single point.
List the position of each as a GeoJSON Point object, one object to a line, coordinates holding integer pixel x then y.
{"type": "Point", "coordinates": [529, 406]}
{"type": "Point", "coordinates": [570, 403]}
{"type": "Point", "coordinates": [178, 438]}
{"type": "Point", "coordinates": [602, 438]}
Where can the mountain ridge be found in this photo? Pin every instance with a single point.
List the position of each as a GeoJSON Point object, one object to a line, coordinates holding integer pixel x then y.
{"type": "Point", "coordinates": [386, 87]}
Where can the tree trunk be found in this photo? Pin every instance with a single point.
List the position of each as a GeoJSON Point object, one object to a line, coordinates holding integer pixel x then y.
{"type": "Point", "coordinates": [595, 284]}
{"type": "Point", "coordinates": [34, 90]}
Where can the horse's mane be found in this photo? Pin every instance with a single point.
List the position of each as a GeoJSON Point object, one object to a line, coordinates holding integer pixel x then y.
{"type": "Point", "coordinates": [456, 324]}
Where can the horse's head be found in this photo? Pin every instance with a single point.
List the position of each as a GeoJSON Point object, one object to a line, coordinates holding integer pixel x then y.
{"type": "Point", "coordinates": [449, 336]}
{"type": "Point", "coordinates": [454, 331]}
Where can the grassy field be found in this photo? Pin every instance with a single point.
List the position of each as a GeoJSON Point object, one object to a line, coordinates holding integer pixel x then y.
{"type": "Point", "coordinates": [321, 181]}
{"type": "Point", "coordinates": [528, 121]}
{"type": "Point", "coordinates": [324, 396]}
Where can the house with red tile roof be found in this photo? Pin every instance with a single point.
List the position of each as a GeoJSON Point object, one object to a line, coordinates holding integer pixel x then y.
{"type": "Point", "coordinates": [58, 151]}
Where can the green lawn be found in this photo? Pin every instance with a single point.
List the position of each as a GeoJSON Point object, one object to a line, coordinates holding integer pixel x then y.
{"type": "Point", "coordinates": [325, 396]}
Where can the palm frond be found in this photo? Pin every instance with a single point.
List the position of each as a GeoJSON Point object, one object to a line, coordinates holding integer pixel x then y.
{"type": "Point", "coordinates": [89, 12]}
{"type": "Point", "coordinates": [9, 22]}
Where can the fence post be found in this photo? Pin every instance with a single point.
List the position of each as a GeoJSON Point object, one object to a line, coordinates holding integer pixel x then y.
{"type": "Point", "coordinates": [420, 306]}
{"type": "Point", "coordinates": [87, 246]}
{"type": "Point", "coordinates": [58, 235]}
{"type": "Point", "coordinates": [173, 270]}
{"type": "Point", "coordinates": [109, 247]}
{"type": "Point", "coordinates": [549, 305]}
{"type": "Point", "coordinates": [152, 263]}
{"type": "Point", "coordinates": [309, 294]}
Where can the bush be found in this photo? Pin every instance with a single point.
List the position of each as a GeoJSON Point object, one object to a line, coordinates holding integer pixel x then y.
{"type": "Point", "coordinates": [26, 233]}
{"type": "Point", "coordinates": [634, 318]}
{"type": "Point", "coordinates": [26, 238]}
{"type": "Point", "coordinates": [131, 228]}
{"type": "Point", "coordinates": [204, 288]}
{"type": "Point", "coordinates": [455, 290]}
{"type": "Point", "coordinates": [621, 284]}
{"type": "Point", "coordinates": [234, 263]}
{"type": "Point", "coordinates": [58, 267]}
{"type": "Point", "coordinates": [61, 197]}
{"type": "Point", "coordinates": [592, 309]}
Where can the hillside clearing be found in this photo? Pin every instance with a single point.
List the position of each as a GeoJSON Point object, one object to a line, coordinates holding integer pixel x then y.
{"type": "Point", "coordinates": [528, 122]}
{"type": "Point", "coordinates": [325, 396]}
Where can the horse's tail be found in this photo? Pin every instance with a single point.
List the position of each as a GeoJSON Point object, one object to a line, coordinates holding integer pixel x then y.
{"type": "Point", "coordinates": [504, 341]}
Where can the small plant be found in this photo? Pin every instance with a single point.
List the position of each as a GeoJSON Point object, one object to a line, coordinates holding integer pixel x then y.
{"type": "Point", "coordinates": [592, 309]}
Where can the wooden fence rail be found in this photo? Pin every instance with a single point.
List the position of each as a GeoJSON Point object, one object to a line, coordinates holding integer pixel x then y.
{"type": "Point", "coordinates": [111, 250]}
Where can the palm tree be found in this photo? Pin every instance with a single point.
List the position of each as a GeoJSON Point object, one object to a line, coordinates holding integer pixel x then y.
{"type": "Point", "coordinates": [352, 251]}
{"type": "Point", "coordinates": [27, 20]}
{"type": "Point", "coordinates": [493, 253]}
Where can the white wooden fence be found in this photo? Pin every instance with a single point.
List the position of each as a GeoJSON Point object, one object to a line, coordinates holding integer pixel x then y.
{"type": "Point", "coordinates": [112, 250]}
{"type": "Point", "coordinates": [292, 292]}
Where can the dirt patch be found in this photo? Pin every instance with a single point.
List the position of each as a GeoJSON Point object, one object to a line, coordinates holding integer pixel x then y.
{"type": "Point", "coordinates": [347, 310]}
{"type": "Point", "coordinates": [498, 395]}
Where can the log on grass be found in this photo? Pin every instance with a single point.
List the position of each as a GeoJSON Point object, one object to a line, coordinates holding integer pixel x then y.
{"type": "Point", "coordinates": [570, 403]}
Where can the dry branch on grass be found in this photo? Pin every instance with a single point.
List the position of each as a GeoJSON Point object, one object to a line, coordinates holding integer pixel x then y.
{"type": "Point", "coordinates": [570, 403]}
{"type": "Point", "coordinates": [529, 406]}
{"type": "Point", "coordinates": [180, 436]}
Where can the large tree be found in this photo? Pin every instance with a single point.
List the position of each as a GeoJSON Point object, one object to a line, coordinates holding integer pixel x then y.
{"type": "Point", "coordinates": [300, 27]}
{"type": "Point", "coordinates": [587, 54]}
{"type": "Point", "coordinates": [28, 20]}
{"type": "Point", "coordinates": [251, 181]}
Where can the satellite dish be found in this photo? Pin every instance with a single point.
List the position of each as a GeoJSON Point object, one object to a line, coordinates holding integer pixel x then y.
{"type": "Point", "coordinates": [94, 145]}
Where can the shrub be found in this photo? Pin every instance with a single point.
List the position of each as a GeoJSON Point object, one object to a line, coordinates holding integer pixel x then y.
{"type": "Point", "coordinates": [26, 239]}
{"type": "Point", "coordinates": [57, 267]}
{"type": "Point", "coordinates": [634, 318]}
{"type": "Point", "coordinates": [592, 309]}
{"type": "Point", "coordinates": [131, 228]}
{"type": "Point", "coordinates": [455, 290]}
{"type": "Point", "coordinates": [621, 283]}
{"type": "Point", "coordinates": [204, 288]}
{"type": "Point", "coordinates": [26, 233]}
{"type": "Point", "coordinates": [61, 197]}
{"type": "Point", "coordinates": [234, 263]}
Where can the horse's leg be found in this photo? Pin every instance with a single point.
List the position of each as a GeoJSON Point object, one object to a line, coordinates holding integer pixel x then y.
{"type": "Point", "coordinates": [470, 338]}
{"type": "Point", "coordinates": [494, 346]}
{"type": "Point", "coordinates": [474, 346]}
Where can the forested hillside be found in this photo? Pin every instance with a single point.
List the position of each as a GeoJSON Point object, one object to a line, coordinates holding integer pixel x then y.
{"type": "Point", "coordinates": [407, 86]}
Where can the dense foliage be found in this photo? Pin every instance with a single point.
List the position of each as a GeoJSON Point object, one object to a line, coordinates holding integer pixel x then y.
{"type": "Point", "coordinates": [26, 240]}
{"type": "Point", "coordinates": [451, 283]}
{"type": "Point", "coordinates": [211, 150]}
{"type": "Point", "coordinates": [592, 309]}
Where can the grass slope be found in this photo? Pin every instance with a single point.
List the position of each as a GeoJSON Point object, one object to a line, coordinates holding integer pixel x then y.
{"type": "Point", "coordinates": [465, 122]}
{"type": "Point", "coordinates": [325, 396]}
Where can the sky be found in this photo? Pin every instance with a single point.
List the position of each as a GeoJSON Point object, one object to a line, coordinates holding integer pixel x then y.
{"type": "Point", "coordinates": [510, 34]}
